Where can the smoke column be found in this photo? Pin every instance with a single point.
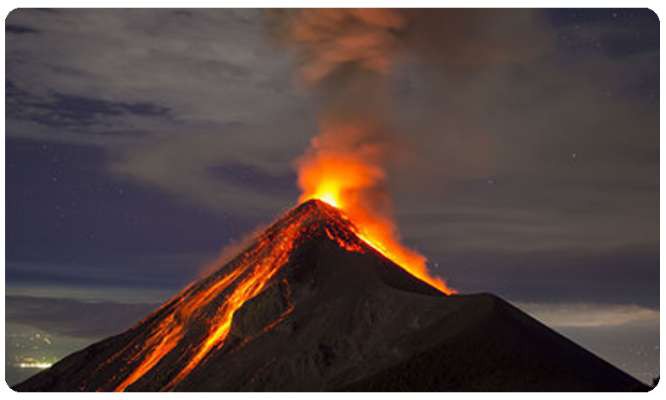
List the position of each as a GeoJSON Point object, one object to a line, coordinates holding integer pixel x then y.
{"type": "Point", "coordinates": [346, 56]}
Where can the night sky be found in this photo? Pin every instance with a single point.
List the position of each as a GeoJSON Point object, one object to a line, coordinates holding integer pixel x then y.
{"type": "Point", "coordinates": [140, 143]}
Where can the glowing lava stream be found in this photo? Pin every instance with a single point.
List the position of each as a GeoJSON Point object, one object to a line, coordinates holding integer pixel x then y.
{"type": "Point", "coordinates": [170, 331]}
{"type": "Point", "coordinates": [410, 261]}
{"type": "Point", "coordinates": [247, 277]}
{"type": "Point", "coordinates": [245, 281]}
{"type": "Point", "coordinates": [246, 289]}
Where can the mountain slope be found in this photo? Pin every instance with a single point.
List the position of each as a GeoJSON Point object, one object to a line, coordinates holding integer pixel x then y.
{"type": "Point", "coordinates": [310, 306]}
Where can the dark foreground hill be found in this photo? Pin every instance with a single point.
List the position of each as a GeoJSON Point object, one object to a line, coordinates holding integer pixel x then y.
{"type": "Point", "coordinates": [309, 306]}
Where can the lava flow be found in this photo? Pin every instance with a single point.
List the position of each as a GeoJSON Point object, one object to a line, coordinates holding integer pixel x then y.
{"type": "Point", "coordinates": [214, 301]}
{"type": "Point", "coordinates": [197, 322]}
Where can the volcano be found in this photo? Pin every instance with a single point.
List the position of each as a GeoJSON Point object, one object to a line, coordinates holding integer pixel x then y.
{"type": "Point", "coordinates": [309, 306]}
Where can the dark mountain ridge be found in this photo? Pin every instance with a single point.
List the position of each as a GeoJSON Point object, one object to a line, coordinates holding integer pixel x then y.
{"type": "Point", "coordinates": [310, 306]}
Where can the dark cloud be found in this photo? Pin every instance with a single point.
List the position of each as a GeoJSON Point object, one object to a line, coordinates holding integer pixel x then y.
{"type": "Point", "coordinates": [204, 93]}
{"type": "Point", "coordinates": [74, 318]}
{"type": "Point", "coordinates": [471, 41]}
{"type": "Point", "coordinates": [18, 29]}
{"type": "Point", "coordinates": [62, 110]}
{"type": "Point", "coordinates": [557, 276]}
{"type": "Point", "coordinates": [166, 272]}
{"type": "Point", "coordinates": [244, 175]}
{"type": "Point", "coordinates": [555, 153]}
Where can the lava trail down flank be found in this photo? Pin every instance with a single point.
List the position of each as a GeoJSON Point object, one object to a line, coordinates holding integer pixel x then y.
{"type": "Point", "coordinates": [311, 305]}
{"type": "Point", "coordinates": [228, 289]}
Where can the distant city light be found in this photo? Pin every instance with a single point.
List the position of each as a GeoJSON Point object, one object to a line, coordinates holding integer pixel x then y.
{"type": "Point", "coordinates": [38, 365]}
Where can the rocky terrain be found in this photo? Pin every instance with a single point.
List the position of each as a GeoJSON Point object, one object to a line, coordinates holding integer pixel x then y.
{"type": "Point", "coordinates": [328, 312]}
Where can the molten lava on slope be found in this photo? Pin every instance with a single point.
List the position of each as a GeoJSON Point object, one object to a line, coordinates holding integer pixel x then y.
{"type": "Point", "coordinates": [312, 306]}
{"type": "Point", "coordinates": [197, 321]}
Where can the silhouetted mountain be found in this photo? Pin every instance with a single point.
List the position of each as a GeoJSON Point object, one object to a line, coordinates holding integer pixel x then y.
{"type": "Point", "coordinates": [310, 306]}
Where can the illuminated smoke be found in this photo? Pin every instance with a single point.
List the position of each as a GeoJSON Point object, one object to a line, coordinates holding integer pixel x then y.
{"type": "Point", "coordinates": [346, 57]}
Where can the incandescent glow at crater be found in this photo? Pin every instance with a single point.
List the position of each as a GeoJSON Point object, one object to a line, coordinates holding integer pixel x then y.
{"type": "Point", "coordinates": [348, 181]}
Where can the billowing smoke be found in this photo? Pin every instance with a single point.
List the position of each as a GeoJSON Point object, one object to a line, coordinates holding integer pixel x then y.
{"type": "Point", "coordinates": [329, 39]}
{"type": "Point", "coordinates": [347, 56]}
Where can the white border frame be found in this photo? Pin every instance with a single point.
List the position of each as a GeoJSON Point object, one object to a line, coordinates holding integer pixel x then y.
{"type": "Point", "coordinates": [7, 6]}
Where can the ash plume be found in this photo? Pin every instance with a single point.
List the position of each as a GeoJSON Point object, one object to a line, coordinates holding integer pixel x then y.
{"type": "Point", "coordinates": [346, 57]}
{"type": "Point", "coordinates": [364, 39]}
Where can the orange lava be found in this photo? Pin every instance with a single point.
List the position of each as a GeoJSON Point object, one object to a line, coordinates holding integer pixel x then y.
{"type": "Point", "coordinates": [246, 289]}
{"type": "Point", "coordinates": [247, 277]}
{"type": "Point", "coordinates": [342, 180]}
{"type": "Point", "coordinates": [196, 322]}
{"type": "Point", "coordinates": [159, 346]}
{"type": "Point", "coordinates": [169, 332]}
